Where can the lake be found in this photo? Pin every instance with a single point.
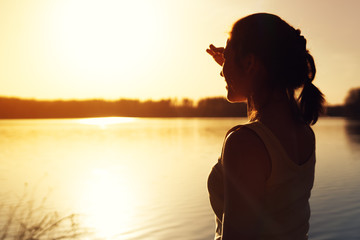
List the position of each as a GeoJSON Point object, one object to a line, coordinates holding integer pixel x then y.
{"type": "Point", "coordinates": [145, 178]}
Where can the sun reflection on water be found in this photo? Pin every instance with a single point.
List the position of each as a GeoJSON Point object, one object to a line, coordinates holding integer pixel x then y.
{"type": "Point", "coordinates": [103, 122]}
{"type": "Point", "coordinates": [110, 203]}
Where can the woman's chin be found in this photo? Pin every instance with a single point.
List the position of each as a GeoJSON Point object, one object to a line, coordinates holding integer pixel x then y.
{"type": "Point", "coordinates": [231, 97]}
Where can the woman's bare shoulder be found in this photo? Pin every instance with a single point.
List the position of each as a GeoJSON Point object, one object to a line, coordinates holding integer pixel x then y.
{"type": "Point", "coordinates": [241, 134]}
{"type": "Point", "coordinates": [245, 151]}
{"type": "Point", "coordinates": [244, 138]}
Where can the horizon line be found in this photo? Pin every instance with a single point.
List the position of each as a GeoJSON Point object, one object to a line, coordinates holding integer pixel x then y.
{"type": "Point", "coordinates": [127, 98]}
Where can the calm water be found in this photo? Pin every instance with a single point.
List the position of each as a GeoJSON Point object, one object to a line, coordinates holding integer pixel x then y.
{"type": "Point", "coordinates": [146, 178]}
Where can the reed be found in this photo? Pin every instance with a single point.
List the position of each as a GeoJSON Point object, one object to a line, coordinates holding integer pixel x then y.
{"type": "Point", "coordinates": [27, 219]}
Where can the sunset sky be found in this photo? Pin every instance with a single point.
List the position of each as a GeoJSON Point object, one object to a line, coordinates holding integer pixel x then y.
{"type": "Point", "coordinates": [81, 49]}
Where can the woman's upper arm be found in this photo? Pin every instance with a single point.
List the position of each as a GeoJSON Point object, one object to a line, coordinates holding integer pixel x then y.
{"type": "Point", "coordinates": [246, 167]}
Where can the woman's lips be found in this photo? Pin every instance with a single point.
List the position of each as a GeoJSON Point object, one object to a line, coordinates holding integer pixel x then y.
{"type": "Point", "coordinates": [228, 85]}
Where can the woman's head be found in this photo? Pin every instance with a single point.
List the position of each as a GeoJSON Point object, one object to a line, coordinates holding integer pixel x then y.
{"type": "Point", "coordinates": [263, 54]}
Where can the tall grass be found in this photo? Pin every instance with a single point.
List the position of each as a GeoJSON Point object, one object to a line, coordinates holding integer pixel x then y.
{"type": "Point", "coordinates": [28, 219]}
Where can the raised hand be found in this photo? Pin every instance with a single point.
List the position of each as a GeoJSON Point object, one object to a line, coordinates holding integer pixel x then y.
{"type": "Point", "coordinates": [216, 53]}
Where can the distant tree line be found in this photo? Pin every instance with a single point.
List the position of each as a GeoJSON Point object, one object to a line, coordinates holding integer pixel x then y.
{"type": "Point", "coordinates": [206, 107]}
{"type": "Point", "coordinates": [350, 109]}
{"type": "Point", "coordinates": [11, 108]}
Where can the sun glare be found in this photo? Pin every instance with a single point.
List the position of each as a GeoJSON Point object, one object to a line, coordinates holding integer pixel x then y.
{"type": "Point", "coordinates": [106, 40]}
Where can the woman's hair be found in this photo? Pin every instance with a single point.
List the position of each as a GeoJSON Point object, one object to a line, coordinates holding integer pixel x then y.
{"type": "Point", "coordinates": [289, 65]}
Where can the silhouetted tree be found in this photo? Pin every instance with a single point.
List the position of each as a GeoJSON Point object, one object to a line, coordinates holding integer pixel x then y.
{"type": "Point", "coordinates": [352, 103]}
{"type": "Point", "coordinates": [335, 111]}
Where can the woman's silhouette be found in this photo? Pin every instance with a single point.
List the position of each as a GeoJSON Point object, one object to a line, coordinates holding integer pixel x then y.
{"type": "Point", "coordinates": [260, 187]}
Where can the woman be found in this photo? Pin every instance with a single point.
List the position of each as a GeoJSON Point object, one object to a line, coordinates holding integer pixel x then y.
{"type": "Point", "coordinates": [260, 187]}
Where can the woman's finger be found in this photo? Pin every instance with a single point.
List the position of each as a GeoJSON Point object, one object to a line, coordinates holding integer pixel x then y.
{"type": "Point", "coordinates": [216, 53]}
{"type": "Point", "coordinates": [215, 49]}
{"type": "Point", "coordinates": [211, 52]}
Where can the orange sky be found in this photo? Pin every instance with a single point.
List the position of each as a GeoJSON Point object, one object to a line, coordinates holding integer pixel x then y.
{"type": "Point", "coordinates": [156, 48]}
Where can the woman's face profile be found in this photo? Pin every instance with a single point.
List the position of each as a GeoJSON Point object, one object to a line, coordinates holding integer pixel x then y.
{"type": "Point", "coordinates": [236, 77]}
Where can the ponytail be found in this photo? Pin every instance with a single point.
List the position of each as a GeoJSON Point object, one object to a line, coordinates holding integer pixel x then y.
{"type": "Point", "coordinates": [311, 99]}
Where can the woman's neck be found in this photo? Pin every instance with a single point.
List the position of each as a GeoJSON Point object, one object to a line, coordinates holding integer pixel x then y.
{"type": "Point", "coordinates": [273, 107]}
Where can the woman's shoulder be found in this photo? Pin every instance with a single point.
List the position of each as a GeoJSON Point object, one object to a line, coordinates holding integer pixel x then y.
{"type": "Point", "coordinates": [242, 132]}
{"type": "Point", "coordinates": [244, 148]}
{"type": "Point", "coordinates": [236, 128]}
{"type": "Point", "coordinates": [242, 137]}
{"type": "Point", "coordinates": [233, 129]}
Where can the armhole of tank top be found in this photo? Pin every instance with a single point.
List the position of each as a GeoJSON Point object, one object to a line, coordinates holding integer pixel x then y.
{"type": "Point", "coordinates": [313, 135]}
{"type": "Point", "coordinates": [314, 142]}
